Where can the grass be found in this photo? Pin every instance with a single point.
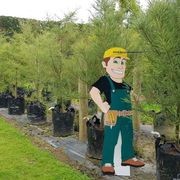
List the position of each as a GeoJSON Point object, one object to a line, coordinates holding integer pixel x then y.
{"type": "Point", "coordinates": [21, 160]}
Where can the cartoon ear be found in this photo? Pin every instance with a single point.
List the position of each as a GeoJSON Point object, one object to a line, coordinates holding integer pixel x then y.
{"type": "Point", "coordinates": [103, 64]}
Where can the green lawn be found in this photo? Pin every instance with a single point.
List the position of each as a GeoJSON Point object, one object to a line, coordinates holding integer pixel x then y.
{"type": "Point", "coordinates": [21, 160]}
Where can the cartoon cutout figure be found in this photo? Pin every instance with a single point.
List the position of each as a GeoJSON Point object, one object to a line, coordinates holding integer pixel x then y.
{"type": "Point", "coordinates": [117, 108]}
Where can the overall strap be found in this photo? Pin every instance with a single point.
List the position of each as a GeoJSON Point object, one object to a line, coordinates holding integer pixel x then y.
{"type": "Point", "coordinates": [111, 84]}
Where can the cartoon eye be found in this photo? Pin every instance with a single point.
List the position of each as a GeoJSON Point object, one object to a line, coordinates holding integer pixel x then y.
{"type": "Point", "coordinates": [115, 61]}
{"type": "Point", "coordinates": [123, 62]}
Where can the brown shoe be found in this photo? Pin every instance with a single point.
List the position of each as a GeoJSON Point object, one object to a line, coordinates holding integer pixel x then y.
{"type": "Point", "coordinates": [132, 162]}
{"type": "Point", "coordinates": [108, 170]}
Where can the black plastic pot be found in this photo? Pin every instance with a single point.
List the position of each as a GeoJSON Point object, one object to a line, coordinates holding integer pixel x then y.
{"type": "Point", "coordinates": [62, 122]}
{"type": "Point", "coordinates": [36, 112]}
{"type": "Point", "coordinates": [16, 106]}
{"type": "Point", "coordinates": [4, 97]}
{"type": "Point", "coordinates": [95, 135]}
{"type": "Point", "coordinates": [167, 160]}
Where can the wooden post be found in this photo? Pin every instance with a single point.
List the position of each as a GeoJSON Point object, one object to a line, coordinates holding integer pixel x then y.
{"type": "Point", "coordinates": [136, 101]}
{"type": "Point", "coordinates": [83, 110]}
{"type": "Point", "coordinates": [136, 97]}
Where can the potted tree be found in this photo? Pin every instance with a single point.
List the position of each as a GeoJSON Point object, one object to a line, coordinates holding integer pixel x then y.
{"type": "Point", "coordinates": [34, 53]}
{"type": "Point", "coordinates": [159, 29]}
{"type": "Point", "coordinates": [59, 52]}
{"type": "Point", "coordinates": [63, 113]}
{"type": "Point", "coordinates": [16, 104]}
{"type": "Point", "coordinates": [36, 109]}
{"type": "Point", "coordinates": [10, 75]}
{"type": "Point", "coordinates": [11, 57]}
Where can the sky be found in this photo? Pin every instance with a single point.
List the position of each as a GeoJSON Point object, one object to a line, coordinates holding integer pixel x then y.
{"type": "Point", "coordinates": [51, 9]}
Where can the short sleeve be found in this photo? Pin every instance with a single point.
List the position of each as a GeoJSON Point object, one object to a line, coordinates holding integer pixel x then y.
{"type": "Point", "coordinates": [101, 84]}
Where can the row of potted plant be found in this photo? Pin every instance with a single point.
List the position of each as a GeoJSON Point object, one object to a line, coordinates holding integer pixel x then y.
{"type": "Point", "coordinates": [63, 121]}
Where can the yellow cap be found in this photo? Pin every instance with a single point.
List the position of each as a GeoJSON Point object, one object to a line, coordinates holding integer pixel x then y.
{"type": "Point", "coordinates": [116, 52]}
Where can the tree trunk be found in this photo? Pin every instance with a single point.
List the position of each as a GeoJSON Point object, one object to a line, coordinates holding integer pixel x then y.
{"type": "Point", "coordinates": [136, 101]}
{"type": "Point", "coordinates": [16, 84]}
{"type": "Point", "coordinates": [83, 110]}
{"type": "Point", "coordinates": [37, 81]}
{"type": "Point", "coordinates": [136, 97]}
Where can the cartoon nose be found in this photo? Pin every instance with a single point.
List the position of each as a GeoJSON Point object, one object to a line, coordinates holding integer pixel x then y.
{"type": "Point", "coordinates": [120, 67]}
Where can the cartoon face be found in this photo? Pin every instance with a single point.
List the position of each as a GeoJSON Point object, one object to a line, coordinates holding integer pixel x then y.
{"type": "Point", "coordinates": [115, 67]}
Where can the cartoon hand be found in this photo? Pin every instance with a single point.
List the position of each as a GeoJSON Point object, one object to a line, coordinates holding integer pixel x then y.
{"type": "Point", "coordinates": [105, 107]}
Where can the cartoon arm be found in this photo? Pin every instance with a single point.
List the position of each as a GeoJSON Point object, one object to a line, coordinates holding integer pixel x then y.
{"type": "Point", "coordinates": [95, 95]}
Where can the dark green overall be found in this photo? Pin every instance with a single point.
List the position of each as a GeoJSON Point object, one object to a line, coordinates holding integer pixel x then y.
{"type": "Point", "coordinates": [120, 100]}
